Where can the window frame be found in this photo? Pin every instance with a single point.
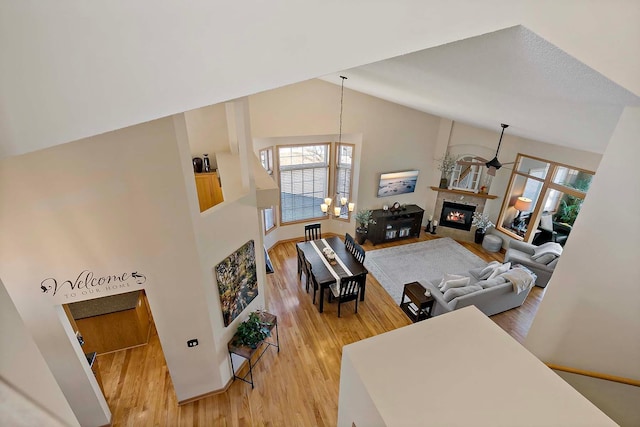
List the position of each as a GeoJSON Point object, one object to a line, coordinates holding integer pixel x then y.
{"type": "Point", "coordinates": [538, 208]}
{"type": "Point", "coordinates": [268, 154]}
{"type": "Point", "coordinates": [336, 167]}
{"type": "Point", "coordinates": [328, 146]}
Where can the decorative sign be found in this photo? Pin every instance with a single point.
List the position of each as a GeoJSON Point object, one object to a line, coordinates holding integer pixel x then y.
{"type": "Point", "coordinates": [237, 281]}
{"type": "Point", "coordinates": [87, 283]}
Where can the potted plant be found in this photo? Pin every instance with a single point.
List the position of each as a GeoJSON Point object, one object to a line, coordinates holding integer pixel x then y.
{"type": "Point", "coordinates": [252, 331]}
{"type": "Point", "coordinates": [446, 165]}
{"type": "Point", "coordinates": [364, 217]}
{"type": "Point", "coordinates": [481, 221]}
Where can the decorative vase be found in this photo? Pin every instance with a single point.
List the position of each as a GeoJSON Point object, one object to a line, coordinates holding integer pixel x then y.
{"type": "Point", "coordinates": [197, 165]}
{"type": "Point", "coordinates": [206, 164]}
{"type": "Point", "coordinates": [479, 235]}
{"type": "Point", "coordinates": [361, 235]}
{"type": "Point", "coordinates": [427, 229]}
{"type": "Point", "coordinates": [444, 182]}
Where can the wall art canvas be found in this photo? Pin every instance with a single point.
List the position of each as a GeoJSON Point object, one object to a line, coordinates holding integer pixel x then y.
{"type": "Point", "coordinates": [237, 281]}
{"type": "Point", "coordinates": [394, 183]}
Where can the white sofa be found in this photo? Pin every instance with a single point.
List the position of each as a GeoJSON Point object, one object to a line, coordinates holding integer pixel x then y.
{"type": "Point", "coordinates": [490, 301]}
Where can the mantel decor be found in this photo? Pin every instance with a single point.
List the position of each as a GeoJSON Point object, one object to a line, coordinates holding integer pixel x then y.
{"type": "Point", "coordinates": [464, 193]}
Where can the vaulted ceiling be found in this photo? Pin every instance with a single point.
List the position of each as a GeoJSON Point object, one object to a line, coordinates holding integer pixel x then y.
{"type": "Point", "coordinates": [509, 76]}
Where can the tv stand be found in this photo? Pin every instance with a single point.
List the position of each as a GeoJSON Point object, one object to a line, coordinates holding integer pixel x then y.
{"type": "Point", "coordinates": [396, 225]}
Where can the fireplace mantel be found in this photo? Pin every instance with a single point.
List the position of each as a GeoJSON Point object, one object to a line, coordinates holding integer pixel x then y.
{"type": "Point", "coordinates": [466, 193]}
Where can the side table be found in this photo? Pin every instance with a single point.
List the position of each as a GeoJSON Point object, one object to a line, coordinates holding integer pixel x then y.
{"type": "Point", "coordinates": [248, 352]}
{"type": "Point", "coordinates": [419, 306]}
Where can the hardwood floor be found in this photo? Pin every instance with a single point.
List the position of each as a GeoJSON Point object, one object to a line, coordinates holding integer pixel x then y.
{"type": "Point", "coordinates": [296, 387]}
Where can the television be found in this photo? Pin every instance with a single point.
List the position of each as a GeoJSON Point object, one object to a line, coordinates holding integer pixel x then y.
{"type": "Point", "coordinates": [394, 183]}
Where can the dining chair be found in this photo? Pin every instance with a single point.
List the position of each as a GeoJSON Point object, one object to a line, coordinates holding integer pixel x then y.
{"type": "Point", "coordinates": [358, 253]}
{"type": "Point", "coordinates": [347, 290]}
{"type": "Point", "coordinates": [315, 285]}
{"type": "Point", "coordinates": [301, 266]}
{"type": "Point", "coordinates": [312, 232]}
{"type": "Point", "coordinates": [349, 242]}
{"type": "Point", "coordinates": [308, 273]}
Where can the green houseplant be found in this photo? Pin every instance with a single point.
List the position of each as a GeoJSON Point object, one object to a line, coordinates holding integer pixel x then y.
{"type": "Point", "coordinates": [252, 331]}
{"type": "Point", "coordinates": [364, 218]}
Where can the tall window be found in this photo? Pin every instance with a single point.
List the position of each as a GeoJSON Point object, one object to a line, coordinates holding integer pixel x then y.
{"type": "Point", "coordinates": [552, 187]}
{"type": "Point", "coordinates": [344, 174]}
{"type": "Point", "coordinates": [304, 181]}
{"type": "Point", "coordinates": [266, 159]}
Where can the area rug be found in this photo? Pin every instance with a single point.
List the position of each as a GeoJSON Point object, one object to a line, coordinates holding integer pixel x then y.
{"type": "Point", "coordinates": [393, 267]}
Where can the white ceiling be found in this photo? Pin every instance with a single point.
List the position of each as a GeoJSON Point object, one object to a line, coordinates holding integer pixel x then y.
{"type": "Point", "coordinates": [509, 76]}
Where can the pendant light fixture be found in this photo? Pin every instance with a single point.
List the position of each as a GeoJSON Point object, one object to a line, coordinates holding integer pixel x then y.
{"type": "Point", "coordinates": [340, 206]}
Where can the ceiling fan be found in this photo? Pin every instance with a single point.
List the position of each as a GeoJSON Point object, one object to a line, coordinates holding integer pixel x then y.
{"type": "Point", "coordinates": [493, 164]}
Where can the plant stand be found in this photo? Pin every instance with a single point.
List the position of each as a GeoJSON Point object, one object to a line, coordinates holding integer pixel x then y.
{"type": "Point", "coordinates": [248, 352]}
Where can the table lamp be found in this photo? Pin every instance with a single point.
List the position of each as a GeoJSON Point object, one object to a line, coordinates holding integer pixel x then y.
{"type": "Point", "coordinates": [522, 204]}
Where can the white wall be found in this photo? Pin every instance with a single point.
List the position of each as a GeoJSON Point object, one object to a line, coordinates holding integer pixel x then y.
{"type": "Point", "coordinates": [113, 203]}
{"type": "Point", "coordinates": [591, 311]}
{"type": "Point", "coordinates": [207, 131]}
{"type": "Point", "coordinates": [393, 138]}
{"type": "Point", "coordinates": [21, 362]}
{"type": "Point", "coordinates": [388, 138]}
{"type": "Point", "coordinates": [225, 227]}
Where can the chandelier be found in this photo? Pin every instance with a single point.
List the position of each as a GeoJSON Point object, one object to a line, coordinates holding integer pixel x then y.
{"type": "Point", "coordinates": [341, 206]}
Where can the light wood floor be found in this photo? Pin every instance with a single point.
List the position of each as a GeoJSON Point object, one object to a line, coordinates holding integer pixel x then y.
{"type": "Point", "coordinates": [297, 387]}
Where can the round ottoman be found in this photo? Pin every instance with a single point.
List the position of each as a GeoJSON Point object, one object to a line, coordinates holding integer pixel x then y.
{"type": "Point", "coordinates": [492, 243]}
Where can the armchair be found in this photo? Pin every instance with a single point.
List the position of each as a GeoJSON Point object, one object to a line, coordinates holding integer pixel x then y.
{"type": "Point", "coordinates": [522, 253]}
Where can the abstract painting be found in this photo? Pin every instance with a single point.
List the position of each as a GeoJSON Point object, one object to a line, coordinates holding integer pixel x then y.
{"type": "Point", "coordinates": [237, 281]}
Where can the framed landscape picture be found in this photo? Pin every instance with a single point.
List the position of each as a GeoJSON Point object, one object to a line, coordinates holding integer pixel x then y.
{"type": "Point", "coordinates": [237, 281]}
{"type": "Point", "coordinates": [394, 183]}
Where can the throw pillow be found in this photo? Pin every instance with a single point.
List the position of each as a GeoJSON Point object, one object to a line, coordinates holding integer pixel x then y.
{"type": "Point", "coordinates": [546, 258]}
{"type": "Point", "coordinates": [457, 292]}
{"type": "Point", "coordinates": [490, 283]}
{"type": "Point", "coordinates": [498, 271]}
{"type": "Point", "coordinates": [486, 272]}
{"type": "Point", "coordinates": [455, 283]}
{"type": "Point", "coordinates": [448, 277]}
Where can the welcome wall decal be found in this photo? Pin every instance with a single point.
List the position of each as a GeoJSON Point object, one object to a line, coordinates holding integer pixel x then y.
{"type": "Point", "coordinates": [87, 283]}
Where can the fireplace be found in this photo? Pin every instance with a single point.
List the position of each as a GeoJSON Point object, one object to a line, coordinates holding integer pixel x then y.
{"type": "Point", "coordinates": [456, 215]}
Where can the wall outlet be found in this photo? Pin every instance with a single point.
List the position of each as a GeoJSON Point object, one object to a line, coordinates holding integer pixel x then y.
{"type": "Point", "coordinates": [192, 343]}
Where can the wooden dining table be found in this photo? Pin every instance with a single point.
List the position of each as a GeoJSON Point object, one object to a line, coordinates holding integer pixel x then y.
{"type": "Point", "coordinates": [326, 274]}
